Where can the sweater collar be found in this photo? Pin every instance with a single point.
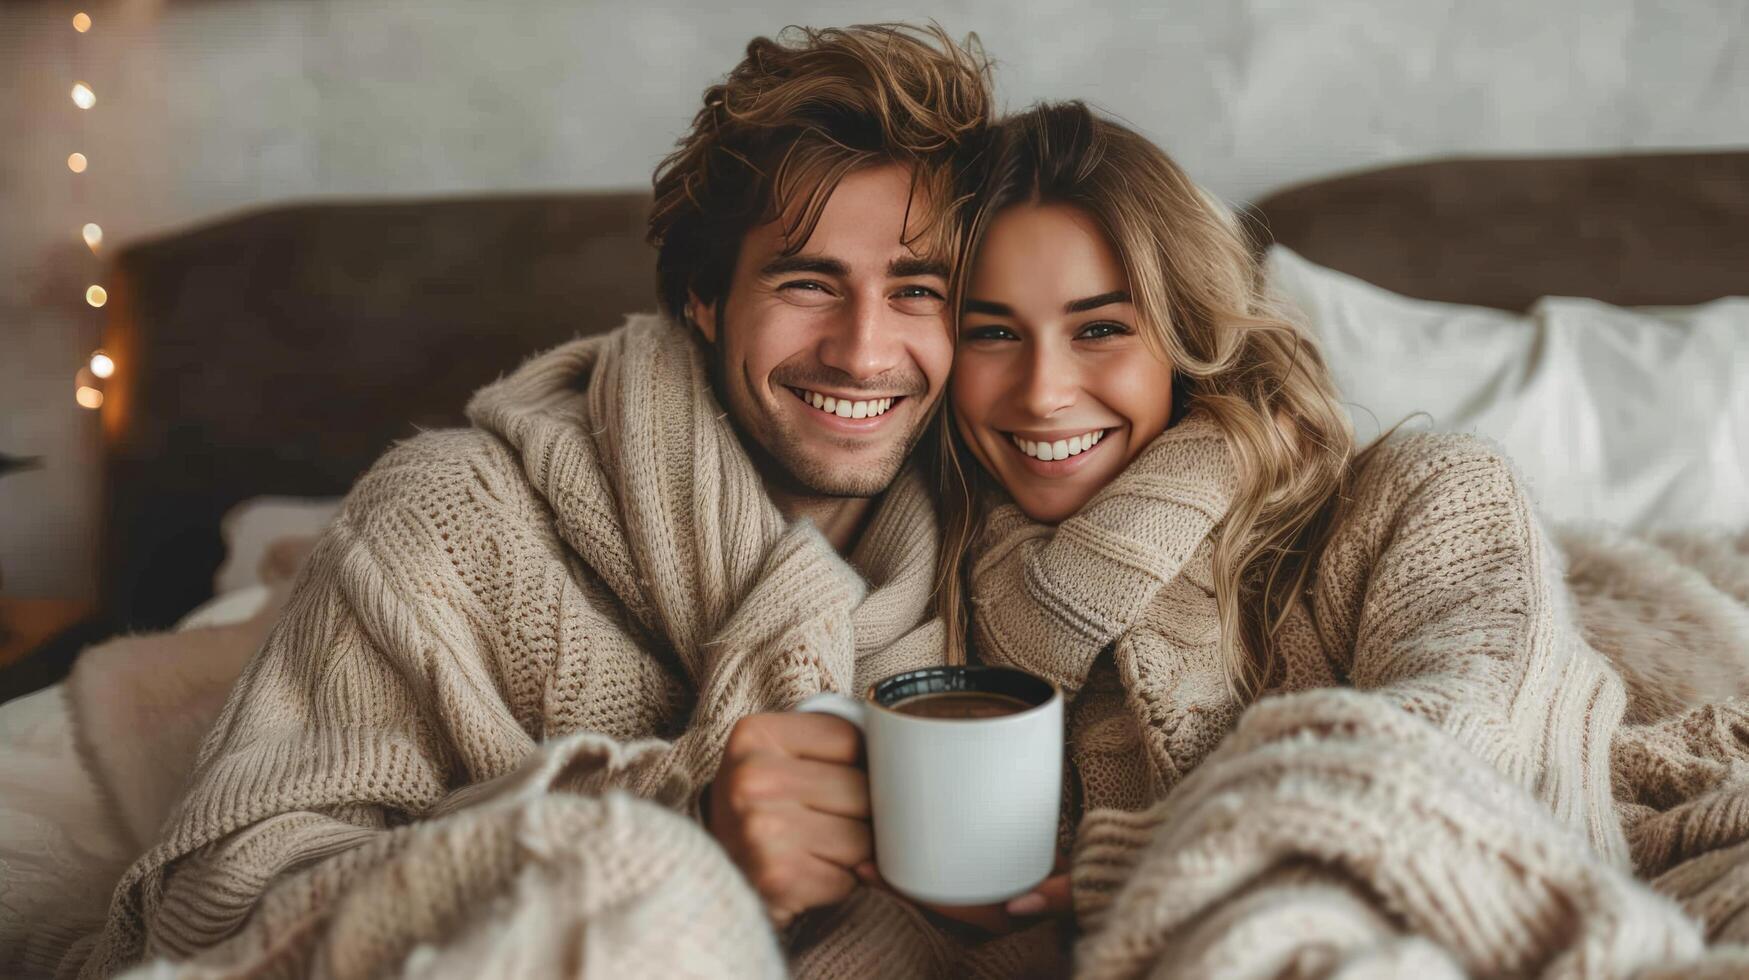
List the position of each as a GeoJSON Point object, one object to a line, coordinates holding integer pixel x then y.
{"type": "Point", "coordinates": [1051, 599]}
{"type": "Point", "coordinates": [623, 437]}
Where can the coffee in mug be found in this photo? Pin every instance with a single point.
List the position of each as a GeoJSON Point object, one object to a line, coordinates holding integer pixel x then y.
{"type": "Point", "coordinates": [960, 704]}
{"type": "Point", "coordinates": [965, 772]}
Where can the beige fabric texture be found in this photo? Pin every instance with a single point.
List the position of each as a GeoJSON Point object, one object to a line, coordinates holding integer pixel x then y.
{"type": "Point", "coordinates": [1440, 778]}
{"type": "Point", "coordinates": [506, 674]}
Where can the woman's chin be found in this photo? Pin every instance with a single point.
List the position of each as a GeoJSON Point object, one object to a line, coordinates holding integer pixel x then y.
{"type": "Point", "coordinates": [1051, 508]}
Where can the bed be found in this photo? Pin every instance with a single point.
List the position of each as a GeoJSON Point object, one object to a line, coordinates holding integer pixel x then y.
{"type": "Point", "coordinates": [266, 359]}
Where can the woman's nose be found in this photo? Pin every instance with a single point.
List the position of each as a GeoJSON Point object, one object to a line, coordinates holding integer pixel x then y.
{"type": "Point", "coordinates": [1049, 385]}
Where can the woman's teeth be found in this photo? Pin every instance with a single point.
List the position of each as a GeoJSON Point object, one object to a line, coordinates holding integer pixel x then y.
{"type": "Point", "coordinates": [844, 408]}
{"type": "Point", "coordinates": [1061, 448]}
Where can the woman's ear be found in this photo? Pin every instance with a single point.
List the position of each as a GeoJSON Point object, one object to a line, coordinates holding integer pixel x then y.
{"type": "Point", "coordinates": [702, 316]}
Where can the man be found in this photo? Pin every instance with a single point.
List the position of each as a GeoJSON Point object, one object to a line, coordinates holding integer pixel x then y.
{"type": "Point", "coordinates": [511, 669]}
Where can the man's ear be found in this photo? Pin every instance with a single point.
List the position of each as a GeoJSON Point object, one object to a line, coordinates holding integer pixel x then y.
{"type": "Point", "coordinates": [702, 315]}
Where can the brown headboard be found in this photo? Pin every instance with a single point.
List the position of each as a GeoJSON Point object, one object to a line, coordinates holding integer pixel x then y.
{"type": "Point", "coordinates": [1638, 230]}
{"type": "Point", "coordinates": [281, 351]}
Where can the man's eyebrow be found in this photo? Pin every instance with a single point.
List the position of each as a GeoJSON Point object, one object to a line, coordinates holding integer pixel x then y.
{"type": "Point", "coordinates": [985, 306]}
{"type": "Point", "coordinates": [1095, 302]}
{"type": "Point", "coordinates": [819, 264]}
{"type": "Point", "coordinates": [916, 266]}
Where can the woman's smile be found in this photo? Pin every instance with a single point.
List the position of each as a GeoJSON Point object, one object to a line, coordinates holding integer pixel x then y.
{"type": "Point", "coordinates": [1054, 454]}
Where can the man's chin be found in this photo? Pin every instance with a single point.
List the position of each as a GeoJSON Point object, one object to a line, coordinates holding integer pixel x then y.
{"type": "Point", "coordinates": [843, 474]}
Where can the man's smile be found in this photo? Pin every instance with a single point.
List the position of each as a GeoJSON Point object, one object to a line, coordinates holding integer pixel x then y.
{"type": "Point", "coordinates": [842, 413]}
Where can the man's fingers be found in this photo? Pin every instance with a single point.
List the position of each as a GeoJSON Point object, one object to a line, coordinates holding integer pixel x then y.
{"type": "Point", "coordinates": [795, 887]}
{"type": "Point", "coordinates": [844, 841]}
{"type": "Point", "coordinates": [827, 787]}
{"type": "Point", "coordinates": [801, 734]}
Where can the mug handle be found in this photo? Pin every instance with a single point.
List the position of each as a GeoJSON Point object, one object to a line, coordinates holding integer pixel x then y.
{"type": "Point", "coordinates": [833, 703]}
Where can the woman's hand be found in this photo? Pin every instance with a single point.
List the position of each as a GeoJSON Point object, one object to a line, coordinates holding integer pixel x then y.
{"type": "Point", "coordinates": [791, 807]}
{"type": "Point", "coordinates": [1050, 899]}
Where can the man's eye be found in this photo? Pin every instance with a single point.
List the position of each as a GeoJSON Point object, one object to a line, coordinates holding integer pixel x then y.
{"type": "Point", "coordinates": [1102, 329]}
{"type": "Point", "coordinates": [918, 300]}
{"type": "Point", "coordinates": [809, 285]}
{"type": "Point", "coordinates": [990, 333]}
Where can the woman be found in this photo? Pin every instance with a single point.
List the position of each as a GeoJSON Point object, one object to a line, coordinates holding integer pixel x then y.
{"type": "Point", "coordinates": [1152, 498]}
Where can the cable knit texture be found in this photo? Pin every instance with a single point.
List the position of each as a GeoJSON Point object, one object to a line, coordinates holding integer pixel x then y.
{"type": "Point", "coordinates": [472, 743]}
{"type": "Point", "coordinates": [1425, 786]}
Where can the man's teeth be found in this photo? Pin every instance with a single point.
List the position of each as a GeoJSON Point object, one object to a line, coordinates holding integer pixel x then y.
{"type": "Point", "coordinates": [1061, 448]}
{"type": "Point", "coordinates": [844, 408]}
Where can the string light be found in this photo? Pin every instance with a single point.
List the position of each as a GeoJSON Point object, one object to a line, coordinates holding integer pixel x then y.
{"type": "Point", "coordinates": [88, 382]}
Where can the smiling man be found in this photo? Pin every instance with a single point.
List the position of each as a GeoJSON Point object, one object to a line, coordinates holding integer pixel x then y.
{"type": "Point", "coordinates": [478, 742]}
{"type": "Point", "coordinates": [830, 356]}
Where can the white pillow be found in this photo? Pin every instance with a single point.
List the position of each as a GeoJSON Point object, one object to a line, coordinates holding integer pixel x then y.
{"type": "Point", "coordinates": [1636, 417]}
{"type": "Point", "coordinates": [251, 526]}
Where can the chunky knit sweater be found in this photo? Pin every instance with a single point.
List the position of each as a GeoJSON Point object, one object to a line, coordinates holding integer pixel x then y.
{"type": "Point", "coordinates": [1450, 812]}
{"type": "Point", "coordinates": [475, 741]}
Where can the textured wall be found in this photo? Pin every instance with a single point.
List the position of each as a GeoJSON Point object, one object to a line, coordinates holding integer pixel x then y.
{"type": "Point", "coordinates": [206, 108]}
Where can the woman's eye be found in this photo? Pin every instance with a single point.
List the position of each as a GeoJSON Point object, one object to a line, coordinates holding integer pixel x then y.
{"type": "Point", "coordinates": [1101, 330]}
{"type": "Point", "coordinates": [990, 333]}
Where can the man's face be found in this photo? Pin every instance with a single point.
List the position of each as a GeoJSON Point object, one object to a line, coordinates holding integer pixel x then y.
{"type": "Point", "coordinates": [831, 358]}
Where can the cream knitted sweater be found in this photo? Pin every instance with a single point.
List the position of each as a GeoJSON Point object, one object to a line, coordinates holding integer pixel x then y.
{"type": "Point", "coordinates": [1451, 812]}
{"type": "Point", "coordinates": [472, 743]}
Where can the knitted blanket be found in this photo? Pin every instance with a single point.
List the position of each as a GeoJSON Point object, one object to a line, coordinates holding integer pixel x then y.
{"type": "Point", "coordinates": [1439, 778]}
{"type": "Point", "coordinates": [475, 740]}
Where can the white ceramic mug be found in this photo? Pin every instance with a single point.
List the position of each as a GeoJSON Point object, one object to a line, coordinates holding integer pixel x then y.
{"type": "Point", "coordinates": [965, 809]}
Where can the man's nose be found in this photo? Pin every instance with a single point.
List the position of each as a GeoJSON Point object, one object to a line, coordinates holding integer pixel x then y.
{"type": "Point", "coordinates": [863, 343]}
{"type": "Point", "coordinates": [1048, 384]}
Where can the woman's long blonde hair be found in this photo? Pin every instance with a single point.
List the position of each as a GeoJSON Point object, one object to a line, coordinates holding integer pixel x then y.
{"type": "Point", "coordinates": [1198, 290]}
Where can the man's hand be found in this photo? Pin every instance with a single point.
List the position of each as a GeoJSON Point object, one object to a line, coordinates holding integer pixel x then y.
{"type": "Point", "coordinates": [790, 805]}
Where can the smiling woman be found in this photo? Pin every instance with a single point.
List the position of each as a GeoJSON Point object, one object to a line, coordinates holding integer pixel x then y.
{"type": "Point", "coordinates": [1054, 391]}
{"type": "Point", "coordinates": [1107, 295]}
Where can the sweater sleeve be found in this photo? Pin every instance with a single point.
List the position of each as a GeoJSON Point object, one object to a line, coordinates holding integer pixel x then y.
{"type": "Point", "coordinates": [1440, 593]}
{"type": "Point", "coordinates": [370, 721]}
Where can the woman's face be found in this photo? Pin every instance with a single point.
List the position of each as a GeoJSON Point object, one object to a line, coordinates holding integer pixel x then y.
{"type": "Point", "coordinates": [1052, 386]}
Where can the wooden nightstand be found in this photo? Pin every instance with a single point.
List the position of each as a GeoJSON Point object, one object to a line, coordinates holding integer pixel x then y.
{"type": "Point", "coordinates": [26, 624]}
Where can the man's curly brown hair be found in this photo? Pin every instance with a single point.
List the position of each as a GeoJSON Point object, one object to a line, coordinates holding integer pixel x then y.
{"type": "Point", "coordinates": [796, 116]}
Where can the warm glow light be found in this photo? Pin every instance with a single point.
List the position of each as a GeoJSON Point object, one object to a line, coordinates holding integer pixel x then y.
{"type": "Point", "coordinates": [88, 397]}
{"type": "Point", "coordinates": [93, 235]}
{"type": "Point", "coordinates": [83, 97]}
{"type": "Point", "coordinates": [96, 296]}
{"type": "Point", "coordinates": [76, 163]}
{"type": "Point", "coordinates": [102, 364]}
{"type": "Point", "coordinates": [81, 22]}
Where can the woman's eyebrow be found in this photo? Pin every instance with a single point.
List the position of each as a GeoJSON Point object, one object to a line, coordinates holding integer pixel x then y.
{"type": "Point", "coordinates": [1095, 302]}
{"type": "Point", "coordinates": [987, 307]}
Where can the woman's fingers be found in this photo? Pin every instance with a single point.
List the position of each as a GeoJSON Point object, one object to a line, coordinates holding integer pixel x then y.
{"type": "Point", "coordinates": [1052, 897]}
